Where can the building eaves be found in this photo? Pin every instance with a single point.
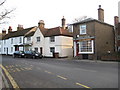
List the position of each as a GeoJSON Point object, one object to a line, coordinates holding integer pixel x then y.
{"type": "Point", "coordinates": [91, 20]}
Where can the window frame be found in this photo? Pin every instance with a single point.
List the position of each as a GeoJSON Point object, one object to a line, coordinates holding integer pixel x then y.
{"type": "Point", "coordinates": [38, 40]}
{"type": "Point", "coordinates": [20, 40]}
{"type": "Point", "coordinates": [52, 39]}
{"type": "Point", "coordinates": [11, 40]}
{"type": "Point", "coordinates": [28, 38]}
{"type": "Point", "coordinates": [52, 51]}
{"type": "Point", "coordinates": [87, 48]}
{"type": "Point", "coordinates": [81, 29]}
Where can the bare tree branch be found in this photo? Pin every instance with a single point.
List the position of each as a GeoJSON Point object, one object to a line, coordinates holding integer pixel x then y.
{"type": "Point", "coordinates": [2, 2]}
{"type": "Point", "coordinates": [4, 13]}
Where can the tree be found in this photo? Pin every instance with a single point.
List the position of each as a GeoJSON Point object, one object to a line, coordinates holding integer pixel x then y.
{"type": "Point", "coordinates": [80, 19]}
{"type": "Point", "coordinates": [4, 13]}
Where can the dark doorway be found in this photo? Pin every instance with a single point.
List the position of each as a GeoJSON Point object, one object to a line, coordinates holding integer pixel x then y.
{"type": "Point", "coordinates": [16, 48]}
{"type": "Point", "coordinates": [41, 50]}
{"type": "Point", "coordinates": [77, 49]}
{"type": "Point", "coordinates": [7, 51]}
{"type": "Point", "coordinates": [85, 56]}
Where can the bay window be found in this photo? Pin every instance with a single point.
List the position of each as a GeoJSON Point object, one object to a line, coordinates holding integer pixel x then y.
{"type": "Point", "coordinates": [86, 46]}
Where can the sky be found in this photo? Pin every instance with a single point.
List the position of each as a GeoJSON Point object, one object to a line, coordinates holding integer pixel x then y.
{"type": "Point", "coordinates": [29, 12]}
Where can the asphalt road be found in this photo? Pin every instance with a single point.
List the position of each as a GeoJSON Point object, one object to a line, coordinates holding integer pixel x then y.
{"type": "Point", "coordinates": [61, 73]}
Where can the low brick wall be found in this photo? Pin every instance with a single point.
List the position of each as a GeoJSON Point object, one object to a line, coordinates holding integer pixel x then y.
{"type": "Point", "coordinates": [110, 57]}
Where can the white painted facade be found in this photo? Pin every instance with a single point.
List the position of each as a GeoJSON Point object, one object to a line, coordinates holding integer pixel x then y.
{"type": "Point", "coordinates": [8, 45]}
{"type": "Point", "coordinates": [63, 44]}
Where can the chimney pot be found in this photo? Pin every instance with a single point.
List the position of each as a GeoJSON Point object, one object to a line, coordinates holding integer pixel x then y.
{"type": "Point", "coordinates": [3, 31]}
{"type": "Point", "coordinates": [63, 22]}
{"type": "Point", "coordinates": [9, 29]}
{"type": "Point", "coordinates": [20, 27]}
{"type": "Point", "coordinates": [41, 24]}
{"type": "Point", "coordinates": [116, 20]}
{"type": "Point", "coordinates": [100, 14]}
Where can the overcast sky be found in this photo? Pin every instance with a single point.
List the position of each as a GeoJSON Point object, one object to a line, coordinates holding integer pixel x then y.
{"type": "Point", "coordinates": [29, 12]}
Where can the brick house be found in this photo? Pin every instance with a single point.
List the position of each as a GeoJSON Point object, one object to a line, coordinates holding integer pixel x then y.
{"type": "Point", "coordinates": [93, 38]}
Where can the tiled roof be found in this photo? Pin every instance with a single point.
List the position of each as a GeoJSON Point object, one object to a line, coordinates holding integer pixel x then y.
{"type": "Point", "coordinates": [57, 31]}
{"type": "Point", "coordinates": [31, 32]}
{"type": "Point", "coordinates": [17, 33]}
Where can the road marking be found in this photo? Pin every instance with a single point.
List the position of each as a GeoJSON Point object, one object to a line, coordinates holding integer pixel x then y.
{"type": "Point", "coordinates": [61, 77]}
{"type": "Point", "coordinates": [14, 84]}
{"type": "Point", "coordinates": [48, 72]}
{"type": "Point", "coordinates": [18, 69]}
{"type": "Point", "coordinates": [6, 66]}
{"type": "Point", "coordinates": [82, 85]}
{"type": "Point", "coordinates": [28, 68]}
{"type": "Point", "coordinates": [22, 69]}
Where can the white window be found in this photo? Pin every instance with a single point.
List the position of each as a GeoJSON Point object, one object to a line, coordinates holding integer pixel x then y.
{"type": "Point", "coordinates": [86, 47]}
{"type": "Point", "coordinates": [28, 38]}
{"type": "Point", "coordinates": [38, 39]}
{"type": "Point", "coordinates": [11, 40]}
{"type": "Point", "coordinates": [52, 39]}
{"type": "Point", "coordinates": [11, 49]}
{"type": "Point", "coordinates": [36, 49]}
{"type": "Point", "coordinates": [52, 49]}
{"type": "Point", "coordinates": [20, 40]}
{"type": "Point", "coordinates": [4, 49]}
{"type": "Point", "coordinates": [82, 29]}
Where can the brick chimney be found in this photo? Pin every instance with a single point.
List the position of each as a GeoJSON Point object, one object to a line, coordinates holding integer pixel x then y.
{"type": "Point", "coordinates": [20, 27]}
{"type": "Point", "coordinates": [116, 21]}
{"type": "Point", "coordinates": [3, 32]}
{"type": "Point", "coordinates": [63, 22]}
{"type": "Point", "coordinates": [9, 29]}
{"type": "Point", "coordinates": [41, 24]}
{"type": "Point", "coordinates": [100, 14]}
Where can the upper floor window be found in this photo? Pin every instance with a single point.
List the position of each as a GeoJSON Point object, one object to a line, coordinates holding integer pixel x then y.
{"type": "Point", "coordinates": [4, 41]}
{"type": "Point", "coordinates": [28, 38]}
{"type": "Point", "coordinates": [11, 40]}
{"type": "Point", "coordinates": [52, 39]}
{"type": "Point", "coordinates": [38, 39]}
{"type": "Point", "coordinates": [11, 49]}
{"type": "Point", "coordinates": [20, 40]}
{"type": "Point", "coordinates": [82, 29]}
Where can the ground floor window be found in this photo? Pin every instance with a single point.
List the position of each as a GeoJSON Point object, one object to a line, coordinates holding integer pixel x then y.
{"type": "Point", "coordinates": [52, 49]}
{"type": "Point", "coordinates": [36, 49]}
{"type": "Point", "coordinates": [11, 49]}
{"type": "Point", "coordinates": [86, 46]}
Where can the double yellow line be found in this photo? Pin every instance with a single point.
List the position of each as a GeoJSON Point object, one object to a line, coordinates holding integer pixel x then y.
{"type": "Point", "coordinates": [12, 81]}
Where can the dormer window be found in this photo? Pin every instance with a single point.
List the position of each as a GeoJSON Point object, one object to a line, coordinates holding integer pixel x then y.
{"type": "Point", "coordinates": [52, 39]}
{"type": "Point", "coordinates": [82, 29]}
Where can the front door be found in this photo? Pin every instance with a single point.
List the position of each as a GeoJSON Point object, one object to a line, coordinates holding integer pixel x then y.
{"type": "Point", "coordinates": [41, 50]}
{"type": "Point", "coordinates": [77, 49]}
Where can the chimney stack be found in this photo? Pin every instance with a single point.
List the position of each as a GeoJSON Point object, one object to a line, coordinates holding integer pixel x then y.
{"type": "Point", "coordinates": [3, 32]}
{"type": "Point", "coordinates": [63, 22]}
{"type": "Point", "coordinates": [41, 24]}
{"type": "Point", "coordinates": [9, 29]}
{"type": "Point", "coordinates": [20, 27]}
{"type": "Point", "coordinates": [116, 21]}
{"type": "Point", "coordinates": [100, 14]}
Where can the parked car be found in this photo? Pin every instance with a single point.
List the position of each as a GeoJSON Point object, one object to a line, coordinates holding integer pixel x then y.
{"type": "Point", "coordinates": [18, 54]}
{"type": "Point", "coordinates": [32, 54]}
